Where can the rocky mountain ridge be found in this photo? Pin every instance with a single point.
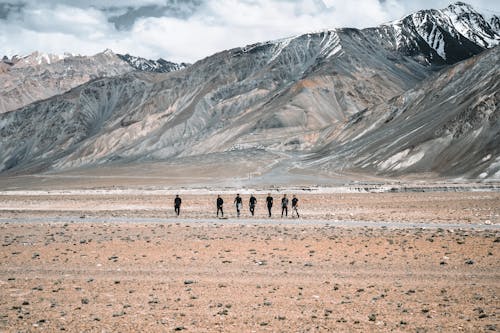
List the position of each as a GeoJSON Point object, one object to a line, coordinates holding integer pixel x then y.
{"type": "Point", "coordinates": [37, 76]}
{"type": "Point", "coordinates": [331, 100]}
{"type": "Point", "coordinates": [158, 66]}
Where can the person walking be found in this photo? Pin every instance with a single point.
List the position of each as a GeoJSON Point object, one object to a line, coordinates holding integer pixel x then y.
{"type": "Point", "coordinates": [220, 202]}
{"type": "Point", "coordinates": [177, 205]}
{"type": "Point", "coordinates": [295, 206]}
{"type": "Point", "coordinates": [284, 205]}
{"type": "Point", "coordinates": [239, 203]}
{"type": "Point", "coordinates": [269, 201]}
{"type": "Point", "coordinates": [253, 202]}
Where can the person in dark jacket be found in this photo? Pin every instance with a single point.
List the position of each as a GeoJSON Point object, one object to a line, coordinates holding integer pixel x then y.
{"type": "Point", "coordinates": [269, 201]}
{"type": "Point", "coordinates": [239, 203]}
{"type": "Point", "coordinates": [177, 205]}
{"type": "Point", "coordinates": [284, 205]}
{"type": "Point", "coordinates": [220, 202]}
{"type": "Point", "coordinates": [253, 202]}
{"type": "Point", "coordinates": [295, 206]}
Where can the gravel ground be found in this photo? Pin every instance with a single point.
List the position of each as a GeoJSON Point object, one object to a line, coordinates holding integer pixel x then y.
{"type": "Point", "coordinates": [200, 276]}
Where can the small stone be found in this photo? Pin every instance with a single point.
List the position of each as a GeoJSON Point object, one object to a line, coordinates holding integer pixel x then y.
{"type": "Point", "coordinates": [469, 262]}
{"type": "Point", "coordinates": [189, 281]}
{"type": "Point", "coordinates": [119, 314]}
{"type": "Point", "coordinates": [372, 317]}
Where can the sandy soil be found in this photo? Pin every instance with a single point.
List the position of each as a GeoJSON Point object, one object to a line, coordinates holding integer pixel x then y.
{"type": "Point", "coordinates": [223, 277]}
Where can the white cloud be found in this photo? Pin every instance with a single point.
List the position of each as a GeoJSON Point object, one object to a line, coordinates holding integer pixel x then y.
{"type": "Point", "coordinates": [60, 26]}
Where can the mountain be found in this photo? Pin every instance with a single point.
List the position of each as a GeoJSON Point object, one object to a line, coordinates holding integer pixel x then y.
{"type": "Point", "coordinates": [320, 101]}
{"type": "Point", "coordinates": [441, 36]}
{"type": "Point", "coordinates": [158, 66]}
{"type": "Point", "coordinates": [38, 76]}
{"type": "Point", "coordinates": [449, 125]}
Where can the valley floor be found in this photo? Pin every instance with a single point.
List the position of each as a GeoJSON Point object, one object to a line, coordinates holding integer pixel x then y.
{"type": "Point", "coordinates": [95, 271]}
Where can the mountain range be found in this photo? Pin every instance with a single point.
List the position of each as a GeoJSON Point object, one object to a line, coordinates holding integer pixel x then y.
{"type": "Point", "coordinates": [417, 96]}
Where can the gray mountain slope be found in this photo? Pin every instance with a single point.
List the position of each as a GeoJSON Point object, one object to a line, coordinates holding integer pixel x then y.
{"type": "Point", "coordinates": [325, 94]}
{"type": "Point", "coordinates": [279, 96]}
{"type": "Point", "coordinates": [448, 125]}
{"type": "Point", "coordinates": [40, 76]}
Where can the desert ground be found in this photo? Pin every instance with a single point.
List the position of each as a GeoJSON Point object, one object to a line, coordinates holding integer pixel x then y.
{"type": "Point", "coordinates": [121, 261]}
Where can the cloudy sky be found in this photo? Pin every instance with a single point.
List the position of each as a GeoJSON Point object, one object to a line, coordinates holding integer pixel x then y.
{"type": "Point", "coordinates": [185, 30]}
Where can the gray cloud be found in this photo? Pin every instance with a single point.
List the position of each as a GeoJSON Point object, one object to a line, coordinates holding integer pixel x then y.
{"type": "Point", "coordinates": [184, 30]}
{"type": "Point", "coordinates": [125, 18]}
{"type": "Point", "coordinates": [6, 9]}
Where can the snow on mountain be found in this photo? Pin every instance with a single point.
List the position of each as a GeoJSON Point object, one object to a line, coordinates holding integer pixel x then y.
{"type": "Point", "coordinates": [158, 66]}
{"type": "Point", "coordinates": [444, 36]}
{"type": "Point", "coordinates": [38, 58]}
{"type": "Point", "coordinates": [38, 76]}
{"type": "Point", "coordinates": [472, 24]}
{"type": "Point", "coordinates": [495, 23]}
{"type": "Point", "coordinates": [336, 96]}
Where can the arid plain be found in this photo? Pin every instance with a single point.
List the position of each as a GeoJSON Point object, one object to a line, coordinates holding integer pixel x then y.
{"type": "Point", "coordinates": [91, 261]}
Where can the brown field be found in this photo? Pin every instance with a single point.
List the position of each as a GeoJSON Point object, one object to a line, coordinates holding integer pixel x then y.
{"type": "Point", "coordinates": [199, 275]}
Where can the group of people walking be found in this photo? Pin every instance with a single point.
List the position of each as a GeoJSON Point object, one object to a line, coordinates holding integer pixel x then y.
{"type": "Point", "coordinates": [252, 203]}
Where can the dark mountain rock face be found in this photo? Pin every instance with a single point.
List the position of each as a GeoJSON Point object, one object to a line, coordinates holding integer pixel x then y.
{"type": "Point", "coordinates": [382, 100]}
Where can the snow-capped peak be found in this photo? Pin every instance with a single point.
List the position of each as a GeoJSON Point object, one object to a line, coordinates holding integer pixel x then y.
{"type": "Point", "coordinates": [461, 7]}
{"type": "Point", "coordinates": [472, 25]}
{"type": "Point", "coordinates": [147, 65]}
{"type": "Point", "coordinates": [452, 34]}
{"type": "Point", "coordinates": [38, 58]}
